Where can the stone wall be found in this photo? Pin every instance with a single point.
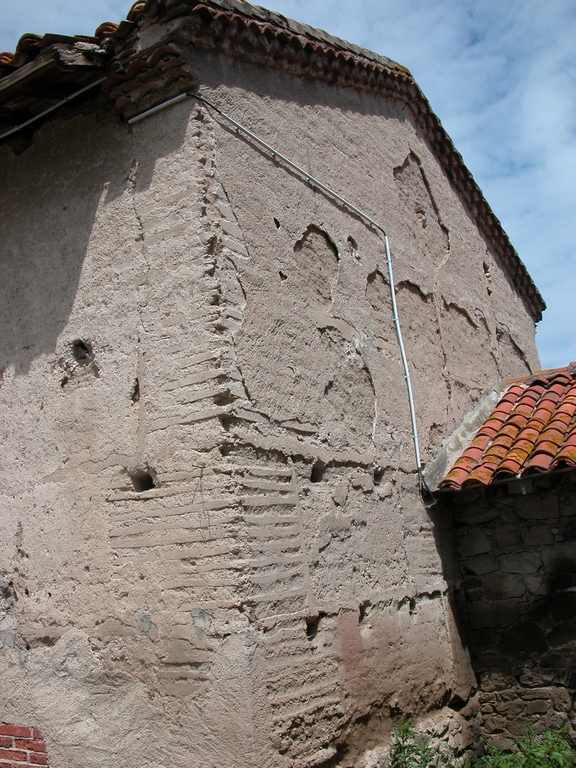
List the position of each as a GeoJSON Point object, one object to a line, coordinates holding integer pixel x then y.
{"type": "Point", "coordinates": [214, 540]}
{"type": "Point", "coordinates": [516, 546]}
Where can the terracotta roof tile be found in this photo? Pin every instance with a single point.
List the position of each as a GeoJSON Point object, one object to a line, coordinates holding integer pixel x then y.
{"type": "Point", "coordinates": [531, 429]}
{"type": "Point", "coordinates": [540, 461]}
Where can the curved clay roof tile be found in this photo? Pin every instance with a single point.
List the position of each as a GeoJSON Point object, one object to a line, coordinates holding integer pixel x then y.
{"type": "Point", "coordinates": [496, 453]}
{"type": "Point", "coordinates": [540, 462]}
{"type": "Point", "coordinates": [504, 407]}
{"type": "Point", "coordinates": [105, 29]}
{"type": "Point", "coordinates": [480, 441]}
{"type": "Point", "coordinates": [474, 453]}
{"type": "Point", "coordinates": [28, 42]}
{"type": "Point", "coordinates": [523, 409]}
{"type": "Point", "coordinates": [530, 433]}
{"type": "Point", "coordinates": [566, 455]}
{"type": "Point", "coordinates": [508, 467]}
{"type": "Point", "coordinates": [504, 439]}
{"type": "Point", "coordinates": [136, 10]}
{"type": "Point", "coordinates": [552, 435]}
{"type": "Point", "coordinates": [523, 445]}
{"type": "Point", "coordinates": [539, 435]}
{"type": "Point", "coordinates": [548, 402]}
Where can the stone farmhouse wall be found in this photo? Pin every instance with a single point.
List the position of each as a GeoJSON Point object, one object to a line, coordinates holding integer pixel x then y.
{"type": "Point", "coordinates": [213, 538]}
{"type": "Point", "coordinates": [516, 547]}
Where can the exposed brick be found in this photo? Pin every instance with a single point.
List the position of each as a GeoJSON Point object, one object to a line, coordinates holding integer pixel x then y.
{"type": "Point", "coordinates": [37, 733]}
{"type": "Point", "coordinates": [13, 754]}
{"type": "Point", "coordinates": [35, 745]}
{"type": "Point", "coordinates": [38, 759]}
{"type": "Point", "coordinates": [5, 765]}
{"type": "Point", "coordinates": [15, 730]}
{"type": "Point", "coordinates": [6, 741]}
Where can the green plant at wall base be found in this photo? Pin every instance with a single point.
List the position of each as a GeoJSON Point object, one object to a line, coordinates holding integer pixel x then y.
{"type": "Point", "coordinates": [409, 752]}
{"type": "Point", "coordinates": [550, 750]}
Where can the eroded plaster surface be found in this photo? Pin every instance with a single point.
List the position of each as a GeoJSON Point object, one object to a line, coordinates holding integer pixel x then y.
{"type": "Point", "coordinates": [215, 551]}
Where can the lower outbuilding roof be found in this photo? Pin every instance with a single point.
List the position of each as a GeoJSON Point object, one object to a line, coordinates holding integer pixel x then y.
{"type": "Point", "coordinates": [531, 430]}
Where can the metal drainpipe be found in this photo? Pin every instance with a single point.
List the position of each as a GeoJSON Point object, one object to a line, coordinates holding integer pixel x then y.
{"type": "Point", "coordinates": [350, 206]}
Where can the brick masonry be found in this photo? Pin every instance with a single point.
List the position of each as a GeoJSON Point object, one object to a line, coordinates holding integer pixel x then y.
{"type": "Point", "coordinates": [21, 746]}
{"type": "Point", "coordinates": [516, 546]}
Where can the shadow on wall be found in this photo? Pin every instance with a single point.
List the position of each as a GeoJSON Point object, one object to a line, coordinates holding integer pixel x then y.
{"type": "Point", "coordinates": [517, 607]}
{"type": "Point", "coordinates": [50, 200]}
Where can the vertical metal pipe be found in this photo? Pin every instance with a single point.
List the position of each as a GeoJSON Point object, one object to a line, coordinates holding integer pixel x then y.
{"type": "Point", "coordinates": [403, 356]}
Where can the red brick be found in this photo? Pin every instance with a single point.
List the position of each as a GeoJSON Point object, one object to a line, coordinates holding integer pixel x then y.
{"type": "Point", "coordinates": [37, 733]}
{"type": "Point", "coordinates": [5, 765]}
{"type": "Point", "coordinates": [6, 741]}
{"type": "Point", "coordinates": [35, 745]}
{"type": "Point", "coordinates": [13, 754]}
{"type": "Point", "coordinates": [38, 759]}
{"type": "Point", "coordinates": [15, 730]}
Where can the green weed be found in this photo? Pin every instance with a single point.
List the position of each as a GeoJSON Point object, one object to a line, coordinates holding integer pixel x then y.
{"type": "Point", "coordinates": [548, 750]}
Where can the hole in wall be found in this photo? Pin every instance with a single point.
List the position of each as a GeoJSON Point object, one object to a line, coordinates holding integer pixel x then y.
{"type": "Point", "coordinates": [276, 222]}
{"type": "Point", "coordinates": [82, 351]}
{"type": "Point", "coordinates": [135, 394]}
{"type": "Point", "coordinates": [223, 398]}
{"type": "Point", "coordinates": [282, 276]}
{"type": "Point", "coordinates": [456, 702]}
{"type": "Point", "coordinates": [312, 624]}
{"type": "Point", "coordinates": [211, 245]}
{"type": "Point", "coordinates": [378, 475]}
{"type": "Point", "coordinates": [142, 480]}
{"type": "Point", "coordinates": [225, 449]}
{"type": "Point", "coordinates": [363, 610]}
{"type": "Point", "coordinates": [353, 248]}
{"type": "Point", "coordinates": [225, 421]}
{"type": "Point", "coordinates": [317, 473]}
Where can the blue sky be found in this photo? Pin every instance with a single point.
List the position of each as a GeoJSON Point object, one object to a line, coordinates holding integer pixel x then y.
{"type": "Point", "coordinates": [500, 74]}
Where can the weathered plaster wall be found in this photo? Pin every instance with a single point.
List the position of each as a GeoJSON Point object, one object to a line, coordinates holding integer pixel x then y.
{"type": "Point", "coordinates": [518, 580]}
{"type": "Point", "coordinates": [215, 551]}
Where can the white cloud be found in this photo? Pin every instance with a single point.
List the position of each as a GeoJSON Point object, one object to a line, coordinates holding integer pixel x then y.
{"type": "Point", "coordinates": [501, 75]}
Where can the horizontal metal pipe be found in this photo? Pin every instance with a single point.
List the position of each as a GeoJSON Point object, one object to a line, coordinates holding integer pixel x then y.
{"type": "Point", "coordinates": [275, 153]}
{"type": "Point", "coordinates": [159, 107]}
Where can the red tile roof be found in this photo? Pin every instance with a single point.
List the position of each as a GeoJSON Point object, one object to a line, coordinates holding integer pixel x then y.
{"type": "Point", "coordinates": [531, 430]}
{"type": "Point", "coordinates": [31, 46]}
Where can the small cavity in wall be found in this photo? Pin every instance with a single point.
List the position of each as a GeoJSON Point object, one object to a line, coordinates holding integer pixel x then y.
{"type": "Point", "coordinates": [21, 746]}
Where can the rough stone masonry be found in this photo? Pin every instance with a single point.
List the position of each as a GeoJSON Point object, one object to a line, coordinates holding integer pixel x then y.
{"type": "Point", "coordinates": [214, 548]}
